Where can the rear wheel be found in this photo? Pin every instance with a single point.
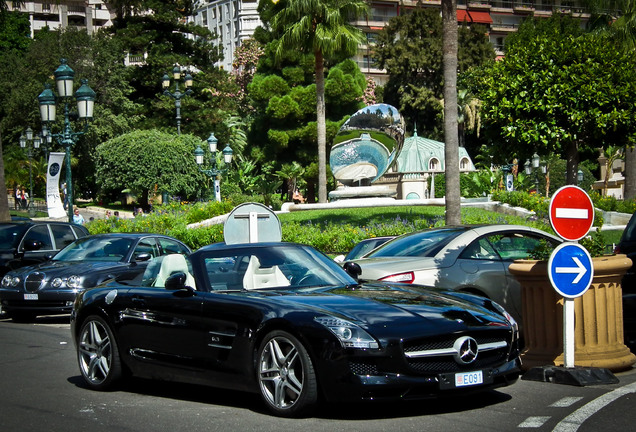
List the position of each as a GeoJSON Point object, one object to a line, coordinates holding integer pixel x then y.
{"type": "Point", "coordinates": [286, 377]}
{"type": "Point", "coordinates": [97, 354]}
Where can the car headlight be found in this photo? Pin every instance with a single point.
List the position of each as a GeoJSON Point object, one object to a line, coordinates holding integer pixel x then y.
{"type": "Point", "coordinates": [349, 334]}
{"type": "Point", "coordinates": [56, 283]}
{"type": "Point", "coordinates": [9, 281]}
{"type": "Point", "coordinates": [73, 281]}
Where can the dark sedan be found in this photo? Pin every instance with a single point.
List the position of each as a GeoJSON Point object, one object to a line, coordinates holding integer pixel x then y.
{"type": "Point", "coordinates": [26, 242]}
{"type": "Point", "coordinates": [51, 287]}
{"type": "Point", "coordinates": [285, 321]}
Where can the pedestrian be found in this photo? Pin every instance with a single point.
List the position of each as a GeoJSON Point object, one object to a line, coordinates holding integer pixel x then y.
{"type": "Point", "coordinates": [77, 217]}
{"type": "Point", "coordinates": [24, 196]}
{"type": "Point", "coordinates": [108, 215]}
{"type": "Point", "coordinates": [65, 196]}
{"type": "Point", "coordinates": [18, 202]}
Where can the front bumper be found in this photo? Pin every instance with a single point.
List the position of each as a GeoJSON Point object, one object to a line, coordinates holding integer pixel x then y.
{"type": "Point", "coordinates": [40, 303]}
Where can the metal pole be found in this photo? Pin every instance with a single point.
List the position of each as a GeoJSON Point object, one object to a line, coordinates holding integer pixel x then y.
{"type": "Point", "coordinates": [67, 142]}
{"type": "Point", "coordinates": [30, 181]}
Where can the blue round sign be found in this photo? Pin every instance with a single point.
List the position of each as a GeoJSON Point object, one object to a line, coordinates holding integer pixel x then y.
{"type": "Point", "coordinates": [570, 269]}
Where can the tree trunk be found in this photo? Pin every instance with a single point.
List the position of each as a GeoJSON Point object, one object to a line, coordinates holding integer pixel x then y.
{"type": "Point", "coordinates": [5, 216]}
{"type": "Point", "coordinates": [572, 158]}
{"type": "Point", "coordinates": [630, 173]}
{"type": "Point", "coordinates": [451, 154]}
{"type": "Point", "coordinates": [322, 129]}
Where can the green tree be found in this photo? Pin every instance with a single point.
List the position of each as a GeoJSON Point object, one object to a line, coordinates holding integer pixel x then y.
{"type": "Point", "coordinates": [558, 90]}
{"type": "Point", "coordinates": [148, 162]}
{"type": "Point", "coordinates": [320, 27]}
{"type": "Point", "coordinates": [619, 18]}
{"type": "Point", "coordinates": [410, 49]}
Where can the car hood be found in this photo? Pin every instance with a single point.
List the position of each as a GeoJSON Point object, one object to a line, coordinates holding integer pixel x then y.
{"type": "Point", "coordinates": [55, 268]}
{"type": "Point", "coordinates": [389, 308]}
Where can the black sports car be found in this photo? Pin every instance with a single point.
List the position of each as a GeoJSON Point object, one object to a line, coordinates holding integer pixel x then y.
{"type": "Point", "coordinates": [51, 287]}
{"type": "Point", "coordinates": [286, 321]}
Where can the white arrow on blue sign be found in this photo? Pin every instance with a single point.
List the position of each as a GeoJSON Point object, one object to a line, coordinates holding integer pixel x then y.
{"type": "Point", "coordinates": [570, 269]}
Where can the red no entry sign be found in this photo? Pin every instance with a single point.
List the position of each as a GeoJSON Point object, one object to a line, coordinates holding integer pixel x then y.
{"type": "Point", "coordinates": [571, 213]}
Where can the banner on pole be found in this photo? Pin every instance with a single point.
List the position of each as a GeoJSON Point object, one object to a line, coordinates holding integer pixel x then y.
{"type": "Point", "coordinates": [53, 200]}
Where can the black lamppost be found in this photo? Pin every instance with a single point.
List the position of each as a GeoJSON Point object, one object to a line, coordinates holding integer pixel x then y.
{"type": "Point", "coordinates": [213, 171]}
{"type": "Point", "coordinates": [36, 144]}
{"type": "Point", "coordinates": [85, 98]}
{"type": "Point", "coordinates": [533, 168]}
{"type": "Point", "coordinates": [177, 95]}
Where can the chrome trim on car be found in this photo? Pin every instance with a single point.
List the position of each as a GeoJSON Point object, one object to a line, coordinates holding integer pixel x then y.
{"type": "Point", "coordinates": [452, 350]}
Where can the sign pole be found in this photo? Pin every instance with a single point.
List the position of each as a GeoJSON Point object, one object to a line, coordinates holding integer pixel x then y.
{"type": "Point", "coordinates": [568, 332]}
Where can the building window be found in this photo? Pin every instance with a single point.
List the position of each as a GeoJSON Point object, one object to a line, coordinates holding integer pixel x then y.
{"type": "Point", "coordinates": [464, 164]}
{"type": "Point", "coordinates": [433, 164]}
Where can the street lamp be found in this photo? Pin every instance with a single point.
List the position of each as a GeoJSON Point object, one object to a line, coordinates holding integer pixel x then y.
{"type": "Point", "coordinates": [85, 98]}
{"type": "Point", "coordinates": [177, 95]}
{"type": "Point", "coordinates": [36, 144]}
{"type": "Point", "coordinates": [533, 168]}
{"type": "Point", "coordinates": [579, 176]}
{"type": "Point", "coordinates": [199, 155]}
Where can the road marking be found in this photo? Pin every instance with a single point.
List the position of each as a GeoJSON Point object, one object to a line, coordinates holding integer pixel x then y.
{"type": "Point", "coordinates": [572, 422]}
{"type": "Point", "coordinates": [566, 402]}
{"type": "Point", "coordinates": [571, 213]}
{"type": "Point", "coordinates": [534, 422]}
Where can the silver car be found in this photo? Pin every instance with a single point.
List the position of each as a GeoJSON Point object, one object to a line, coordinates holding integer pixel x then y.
{"type": "Point", "coordinates": [472, 259]}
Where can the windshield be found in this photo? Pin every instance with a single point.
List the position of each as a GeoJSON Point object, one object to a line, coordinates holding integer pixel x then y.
{"type": "Point", "coordinates": [95, 249]}
{"type": "Point", "coordinates": [10, 235]}
{"type": "Point", "coordinates": [291, 267]}
{"type": "Point", "coordinates": [419, 244]}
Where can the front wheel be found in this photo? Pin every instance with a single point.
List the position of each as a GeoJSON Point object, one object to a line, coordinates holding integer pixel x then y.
{"type": "Point", "coordinates": [97, 354]}
{"type": "Point", "coordinates": [286, 376]}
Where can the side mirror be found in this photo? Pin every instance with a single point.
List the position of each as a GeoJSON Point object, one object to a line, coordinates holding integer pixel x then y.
{"type": "Point", "coordinates": [33, 245]}
{"type": "Point", "coordinates": [353, 269]}
{"type": "Point", "coordinates": [143, 257]}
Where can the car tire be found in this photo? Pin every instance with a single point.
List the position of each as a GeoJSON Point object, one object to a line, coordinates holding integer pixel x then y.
{"type": "Point", "coordinates": [286, 377]}
{"type": "Point", "coordinates": [98, 354]}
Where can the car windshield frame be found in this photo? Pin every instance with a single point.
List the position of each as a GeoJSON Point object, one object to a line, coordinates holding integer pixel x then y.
{"type": "Point", "coordinates": [425, 243]}
{"type": "Point", "coordinates": [302, 267]}
{"type": "Point", "coordinates": [94, 249]}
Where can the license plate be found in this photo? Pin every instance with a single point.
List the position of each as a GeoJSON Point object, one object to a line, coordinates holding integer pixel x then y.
{"type": "Point", "coordinates": [469, 378]}
{"type": "Point", "coordinates": [30, 296]}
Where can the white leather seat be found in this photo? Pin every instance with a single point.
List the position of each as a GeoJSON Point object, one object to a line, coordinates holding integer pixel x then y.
{"type": "Point", "coordinates": [263, 277]}
{"type": "Point", "coordinates": [170, 264]}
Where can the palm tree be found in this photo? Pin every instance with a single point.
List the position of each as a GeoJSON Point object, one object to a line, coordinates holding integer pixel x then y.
{"type": "Point", "coordinates": [451, 136]}
{"type": "Point", "coordinates": [612, 153]}
{"type": "Point", "coordinates": [320, 27]}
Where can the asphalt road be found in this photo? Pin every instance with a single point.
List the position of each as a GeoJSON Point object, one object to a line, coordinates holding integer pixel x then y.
{"type": "Point", "coordinates": [41, 390]}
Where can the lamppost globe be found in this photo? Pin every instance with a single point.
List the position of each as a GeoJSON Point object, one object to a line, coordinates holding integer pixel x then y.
{"type": "Point", "coordinates": [85, 97]}
{"type": "Point", "coordinates": [198, 155]}
{"type": "Point", "coordinates": [47, 102]}
{"type": "Point", "coordinates": [64, 76]}
{"type": "Point", "coordinates": [227, 154]}
{"type": "Point", "coordinates": [212, 143]}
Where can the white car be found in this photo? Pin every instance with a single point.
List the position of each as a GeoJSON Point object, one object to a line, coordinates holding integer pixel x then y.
{"type": "Point", "coordinates": [466, 258]}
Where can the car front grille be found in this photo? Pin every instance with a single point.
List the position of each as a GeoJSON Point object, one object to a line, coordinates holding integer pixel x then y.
{"type": "Point", "coordinates": [436, 355]}
{"type": "Point", "coordinates": [33, 282]}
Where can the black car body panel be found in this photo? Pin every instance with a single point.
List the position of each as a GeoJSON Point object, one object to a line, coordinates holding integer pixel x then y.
{"type": "Point", "coordinates": [627, 245]}
{"type": "Point", "coordinates": [43, 288]}
{"type": "Point", "coordinates": [211, 335]}
{"type": "Point", "coordinates": [24, 243]}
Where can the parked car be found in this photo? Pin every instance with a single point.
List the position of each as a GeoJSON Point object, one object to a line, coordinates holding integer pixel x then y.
{"type": "Point", "coordinates": [285, 321]}
{"type": "Point", "coordinates": [363, 247]}
{"type": "Point", "coordinates": [51, 287]}
{"type": "Point", "coordinates": [627, 245]}
{"type": "Point", "coordinates": [472, 259]}
{"type": "Point", "coordinates": [24, 243]}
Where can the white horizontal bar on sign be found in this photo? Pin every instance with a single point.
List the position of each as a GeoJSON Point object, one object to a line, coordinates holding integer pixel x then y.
{"type": "Point", "coordinates": [571, 213]}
